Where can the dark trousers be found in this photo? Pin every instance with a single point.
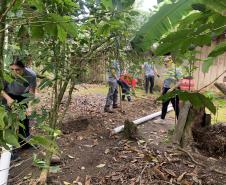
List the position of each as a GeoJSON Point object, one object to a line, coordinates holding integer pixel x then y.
{"type": "Point", "coordinates": [125, 90]}
{"type": "Point", "coordinates": [25, 132]}
{"type": "Point", "coordinates": [174, 101]}
{"type": "Point", "coordinates": [112, 95]}
{"type": "Point", "coordinates": [149, 79]}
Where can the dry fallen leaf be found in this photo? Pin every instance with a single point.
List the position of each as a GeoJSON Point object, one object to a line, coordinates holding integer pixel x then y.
{"type": "Point", "coordinates": [134, 161]}
{"type": "Point", "coordinates": [71, 157]}
{"type": "Point", "coordinates": [107, 151]}
{"type": "Point", "coordinates": [76, 181]}
{"type": "Point", "coordinates": [116, 177]}
{"type": "Point", "coordinates": [80, 138]}
{"type": "Point", "coordinates": [170, 172]}
{"type": "Point", "coordinates": [95, 142]}
{"type": "Point", "coordinates": [195, 179]}
{"type": "Point", "coordinates": [66, 183]}
{"type": "Point", "coordinates": [141, 142]}
{"type": "Point", "coordinates": [123, 156]}
{"type": "Point", "coordinates": [100, 166]}
{"type": "Point", "coordinates": [181, 177]}
{"type": "Point", "coordinates": [88, 180]}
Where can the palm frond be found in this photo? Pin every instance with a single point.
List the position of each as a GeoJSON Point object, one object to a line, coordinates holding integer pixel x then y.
{"type": "Point", "coordinates": [161, 22]}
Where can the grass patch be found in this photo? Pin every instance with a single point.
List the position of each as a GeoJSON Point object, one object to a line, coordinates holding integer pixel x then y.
{"type": "Point", "coordinates": [221, 111]}
{"type": "Point", "coordinates": [94, 89]}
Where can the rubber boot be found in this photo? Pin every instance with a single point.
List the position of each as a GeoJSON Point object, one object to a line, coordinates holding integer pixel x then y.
{"type": "Point", "coordinates": [129, 98]}
{"type": "Point", "coordinates": [115, 106]}
{"type": "Point", "coordinates": [123, 97]}
{"type": "Point", "coordinates": [107, 109]}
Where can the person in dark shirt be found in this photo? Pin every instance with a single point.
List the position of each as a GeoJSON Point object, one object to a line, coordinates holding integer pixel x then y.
{"type": "Point", "coordinates": [172, 75]}
{"type": "Point", "coordinates": [24, 82]}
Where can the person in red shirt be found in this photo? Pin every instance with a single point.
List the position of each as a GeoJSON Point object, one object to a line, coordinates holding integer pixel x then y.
{"type": "Point", "coordinates": [128, 84]}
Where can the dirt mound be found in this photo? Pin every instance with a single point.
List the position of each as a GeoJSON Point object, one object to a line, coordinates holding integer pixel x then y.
{"type": "Point", "coordinates": [77, 125]}
{"type": "Point", "coordinates": [211, 140]}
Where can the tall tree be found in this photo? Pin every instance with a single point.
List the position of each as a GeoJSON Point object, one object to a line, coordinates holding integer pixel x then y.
{"type": "Point", "coordinates": [3, 4]}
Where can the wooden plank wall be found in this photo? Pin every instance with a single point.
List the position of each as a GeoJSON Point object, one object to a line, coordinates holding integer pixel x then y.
{"type": "Point", "coordinates": [202, 79]}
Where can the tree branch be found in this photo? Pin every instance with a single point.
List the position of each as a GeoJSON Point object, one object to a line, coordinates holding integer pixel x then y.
{"type": "Point", "coordinates": [201, 164]}
{"type": "Point", "coordinates": [7, 10]}
{"type": "Point", "coordinates": [212, 81]}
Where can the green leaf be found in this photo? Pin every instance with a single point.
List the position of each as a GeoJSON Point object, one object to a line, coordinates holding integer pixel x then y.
{"type": "Point", "coordinates": [69, 26]}
{"type": "Point", "coordinates": [45, 83]}
{"type": "Point", "coordinates": [167, 96]}
{"type": "Point", "coordinates": [108, 4]}
{"type": "Point", "coordinates": [209, 104]}
{"type": "Point", "coordinates": [37, 3]}
{"type": "Point", "coordinates": [200, 7]}
{"type": "Point", "coordinates": [70, 3]}
{"type": "Point", "coordinates": [8, 77]}
{"type": "Point", "coordinates": [62, 35]}
{"type": "Point", "coordinates": [218, 50]}
{"type": "Point", "coordinates": [181, 40]}
{"type": "Point", "coordinates": [51, 29]}
{"type": "Point", "coordinates": [22, 113]}
{"type": "Point", "coordinates": [199, 100]}
{"type": "Point", "coordinates": [195, 100]}
{"type": "Point", "coordinates": [54, 169]}
{"type": "Point", "coordinates": [59, 1]}
{"type": "Point", "coordinates": [64, 25]}
{"type": "Point", "coordinates": [218, 6]}
{"type": "Point", "coordinates": [17, 5]}
{"type": "Point", "coordinates": [44, 142]}
{"type": "Point", "coordinates": [38, 162]}
{"type": "Point", "coordinates": [11, 138]}
{"type": "Point", "coordinates": [104, 29]}
{"type": "Point", "coordinates": [37, 32]}
{"type": "Point", "coordinates": [35, 100]}
{"type": "Point", "coordinates": [126, 3]}
{"type": "Point", "coordinates": [207, 63]}
{"type": "Point", "coordinates": [2, 116]}
{"type": "Point", "coordinates": [190, 18]}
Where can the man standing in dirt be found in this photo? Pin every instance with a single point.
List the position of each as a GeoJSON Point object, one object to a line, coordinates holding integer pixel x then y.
{"type": "Point", "coordinates": [112, 96]}
{"type": "Point", "coordinates": [149, 72]}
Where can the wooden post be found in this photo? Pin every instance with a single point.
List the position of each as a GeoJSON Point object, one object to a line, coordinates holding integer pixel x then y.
{"type": "Point", "coordinates": [120, 97]}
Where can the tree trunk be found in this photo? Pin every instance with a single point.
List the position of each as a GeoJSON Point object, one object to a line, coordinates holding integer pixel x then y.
{"type": "Point", "coordinates": [195, 120]}
{"type": "Point", "coordinates": [179, 130]}
{"type": "Point", "coordinates": [190, 118]}
{"type": "Point", "coordinates": [221, 87]}
{"type": "Point", "coordinates": [2, 37]}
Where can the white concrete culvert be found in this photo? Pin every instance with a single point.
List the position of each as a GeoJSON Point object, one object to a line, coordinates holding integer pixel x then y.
{"type": "Point", "coordinates": [141, 120]}
{"type": "Point", "coordinates": [4, 166]}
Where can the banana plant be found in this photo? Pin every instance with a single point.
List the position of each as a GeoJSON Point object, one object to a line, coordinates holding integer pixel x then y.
{"type": "Point", "coordinates": [175, 19]}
